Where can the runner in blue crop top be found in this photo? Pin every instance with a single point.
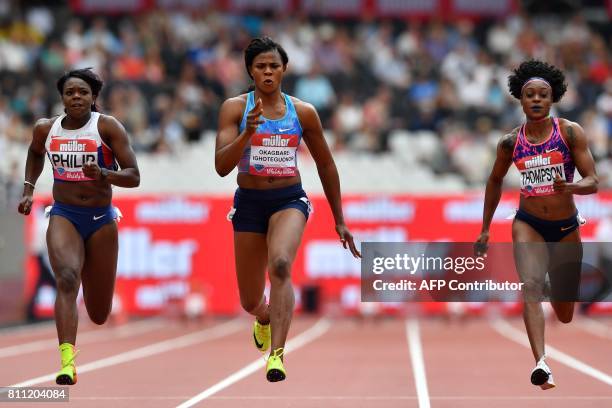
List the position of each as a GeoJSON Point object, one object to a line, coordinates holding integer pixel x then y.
{"type": "Point", "coordinates": [260, 132]}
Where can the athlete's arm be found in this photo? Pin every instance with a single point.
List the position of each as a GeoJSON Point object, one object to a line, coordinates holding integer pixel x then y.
{"type": "Point", "coordinates": [34, 163]}
{"type": "Point", "coordinates": [113, 133]}
{"type": "Point", "coordinates": [312, 132]}
{"type": "Point", "coordinates": [579, 148]}
{"type": "Point", "coordinates": [230, 144]}
{"type": "Point", "coordinates": [493, 191]}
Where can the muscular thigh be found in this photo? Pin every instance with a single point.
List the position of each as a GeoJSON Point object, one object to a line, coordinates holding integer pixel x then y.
{"type": "Point", "coordinates": [65, 245]}
{"type": "Point", "coordinates": [565, 268]}
{"type": "Point", "coordinates": [98, 276]}
{"type": "Point", "coordinates": [285, 232]}
{"type": "Point", "coordinates": [251, 254]}
{"type": "Point", "coordinates": [530, 252]}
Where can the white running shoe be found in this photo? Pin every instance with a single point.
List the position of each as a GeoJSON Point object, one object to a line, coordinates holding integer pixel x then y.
{"type": "Point", "coordinates": [542, 376]}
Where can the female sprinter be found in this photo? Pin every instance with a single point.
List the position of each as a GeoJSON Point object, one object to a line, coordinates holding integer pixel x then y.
{"type": "Point", "coordinates": [84, 148]}
{"type": "Point", "coordinates": [546, 151]}
{"type": "Point", "coordinates": [260, 132]}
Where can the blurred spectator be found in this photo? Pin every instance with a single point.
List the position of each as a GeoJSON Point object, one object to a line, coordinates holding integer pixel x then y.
{"type": "Point", "coordinates": [168, 71]}
{"type": "Point", "coordinates": [317, 90]}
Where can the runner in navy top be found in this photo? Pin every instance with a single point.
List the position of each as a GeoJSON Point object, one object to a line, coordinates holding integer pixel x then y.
{"type": "Point", "coordinates": [546, 151]}
{"type": "Point", "coordinates": [84, 148]}
{"type": "Point", "coordinates": [260, 132]}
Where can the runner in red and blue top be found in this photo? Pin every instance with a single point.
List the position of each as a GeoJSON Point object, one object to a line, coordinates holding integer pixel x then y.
{"type": "Point", "coordinates": [85, 149]}
{"type": "Point", "coordinates": [540, 164]}
{"type": "Point", "coordinates": [260, 133]}
{"type": "Point", "coordinates": [546, 152]}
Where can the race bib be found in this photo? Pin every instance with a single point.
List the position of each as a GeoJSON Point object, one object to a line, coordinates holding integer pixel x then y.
{"type": "Point", "coordinates": [68, 155]}
{"type": "Point", "coordinates": [538, 173]}
{"type": "Point", "coordinates": [273, 155]}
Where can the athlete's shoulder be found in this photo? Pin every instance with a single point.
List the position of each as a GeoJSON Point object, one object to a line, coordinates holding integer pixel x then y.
{"type": "Point", "coordinates": [44, 125]}
{"type": "Point", "coordinates": [108, 123]}
{"type": "Point", "coordinates": [235, 105]}
{"type": "Point", "coordinates": [236, 101]}
{"type": "Point", "coordinates": [305, 111]}
{"type": "Point", "coordinates": [508, 141]}
{"type": "Point", "coordinates": [570, 131]}
{"type": "Point", "coordinates": [301, 105]}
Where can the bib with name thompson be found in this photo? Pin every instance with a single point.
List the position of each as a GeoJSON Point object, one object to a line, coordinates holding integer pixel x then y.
{"type": "Point", "coordinates": [540, 164]}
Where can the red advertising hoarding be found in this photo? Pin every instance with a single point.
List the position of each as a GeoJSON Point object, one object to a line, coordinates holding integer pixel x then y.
{"type": "Point", "coordinates": [173, 246]}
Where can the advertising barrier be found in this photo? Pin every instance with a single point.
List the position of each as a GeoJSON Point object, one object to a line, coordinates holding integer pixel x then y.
{"type": "Point", "coordinates": [172, 247]}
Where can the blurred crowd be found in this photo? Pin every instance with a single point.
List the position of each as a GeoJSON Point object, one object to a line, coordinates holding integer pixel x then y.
{"type": "Point", "coordinates": [166, 74]}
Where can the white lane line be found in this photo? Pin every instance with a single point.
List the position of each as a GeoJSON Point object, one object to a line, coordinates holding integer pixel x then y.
{"type": "Point", "coordinates": [295, 343]}
{"type": "Point", "coordinates": [128, 330]}
{"type": "Point", "coordinates": [594, 327]}
{"type": "Point", "coordinates": [413, 334]}
{"type": "Point", "coordinates": [510, 332]}
{"type": "Point", "coordinates": [148, 351]}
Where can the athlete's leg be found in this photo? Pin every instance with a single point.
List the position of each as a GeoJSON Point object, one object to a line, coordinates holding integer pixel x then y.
{"type": "Point", "coordinates": [531, 265]}
{"type": "Point", "coordinates": [566, 264]}
{"type": "Point", "coordinates": [284, 236]}
{"type": "Point", "coordinates": [66, 254]}
{"type": "Point", "coordinates": [251, 253]}
{"type": "Point", "coordinates": [99, 272]}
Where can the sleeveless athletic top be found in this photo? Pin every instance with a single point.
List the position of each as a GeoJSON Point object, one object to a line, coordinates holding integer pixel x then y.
{"type": "Point", "coordinates": [539, 164]}
{"type": "Point", "coordinates": [272, 150]}
{"type": "Point", "coordinates": [69, 149]}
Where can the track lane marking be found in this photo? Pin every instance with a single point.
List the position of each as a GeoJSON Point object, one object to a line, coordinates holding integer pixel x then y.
{"type": "Point", "coordinates": [307, 336]}
{"type": "Point", "coordinates": [510, 332]}
{"type": "Point", "coordinates": [175, 343]}
{"type": "Point", "coordinates": [413, 334]}
{"type": "Point", "coordinates": [128, 330]}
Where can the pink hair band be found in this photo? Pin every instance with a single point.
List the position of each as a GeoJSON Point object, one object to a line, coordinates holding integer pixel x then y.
{"type": "Point", "coordinates": [535, 79]}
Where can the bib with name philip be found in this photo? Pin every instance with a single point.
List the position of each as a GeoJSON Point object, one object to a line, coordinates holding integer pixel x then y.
{"type": "Point", "coordinates": [272, 150]}
{"type": "Point", "coordinates": [540, 164]}
{"type": "Point", "coordinates": [69, 149]}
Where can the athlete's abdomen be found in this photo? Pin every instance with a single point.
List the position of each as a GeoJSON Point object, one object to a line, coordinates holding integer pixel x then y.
{"type": "Point", "coordinates": [246, 180]}
{"type": "Point", "coordinates": [550, 207]}
{"type": "Point", "coordinates": [84, 193]}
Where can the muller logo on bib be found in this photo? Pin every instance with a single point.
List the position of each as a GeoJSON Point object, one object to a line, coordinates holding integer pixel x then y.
{"type": "Point", "coordinates": [275, 141]}
{"type": "Point", "coordinates": [537, 161]}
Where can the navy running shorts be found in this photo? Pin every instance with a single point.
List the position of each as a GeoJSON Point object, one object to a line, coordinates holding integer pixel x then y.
{"type": "Point", "coordinates": [86, 220]}
{"type": "Point", "coordinates": [253, 207]}
{"type": "Point", "coordinates": [551, 231]}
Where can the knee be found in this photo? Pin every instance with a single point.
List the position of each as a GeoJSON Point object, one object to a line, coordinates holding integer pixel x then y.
{"type": "Point", "coordinates": [249, 305]}
{"type": "Point", "coordinates": [67, 280]}
{"type": "Point", "coordinates": [566, 315]}
{"type": "Point", "coordinates": [98, 318]}
{"type": "Point", "coordinates": [533, 290]}
{"type": "Point", "coordinates": [280, 268]}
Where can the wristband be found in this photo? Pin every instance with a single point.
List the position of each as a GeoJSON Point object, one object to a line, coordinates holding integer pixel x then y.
{"type": "Point", "coordinates": [29, 184]}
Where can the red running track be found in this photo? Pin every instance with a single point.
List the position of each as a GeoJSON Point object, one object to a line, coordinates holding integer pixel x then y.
{"type": "Point", "coordinates": [331, 363]}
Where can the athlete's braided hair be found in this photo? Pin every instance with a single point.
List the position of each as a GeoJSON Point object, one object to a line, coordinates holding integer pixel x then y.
{"type": "Point", "coordinates": [259, 45]}
{"type": "Point", "coordinates": [87, 75]}
{"type": "Point", "coordinates": [535, 68]}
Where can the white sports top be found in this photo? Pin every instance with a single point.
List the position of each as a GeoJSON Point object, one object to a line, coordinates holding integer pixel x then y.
{"type": "Point", "coordinates": [69, 149]}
